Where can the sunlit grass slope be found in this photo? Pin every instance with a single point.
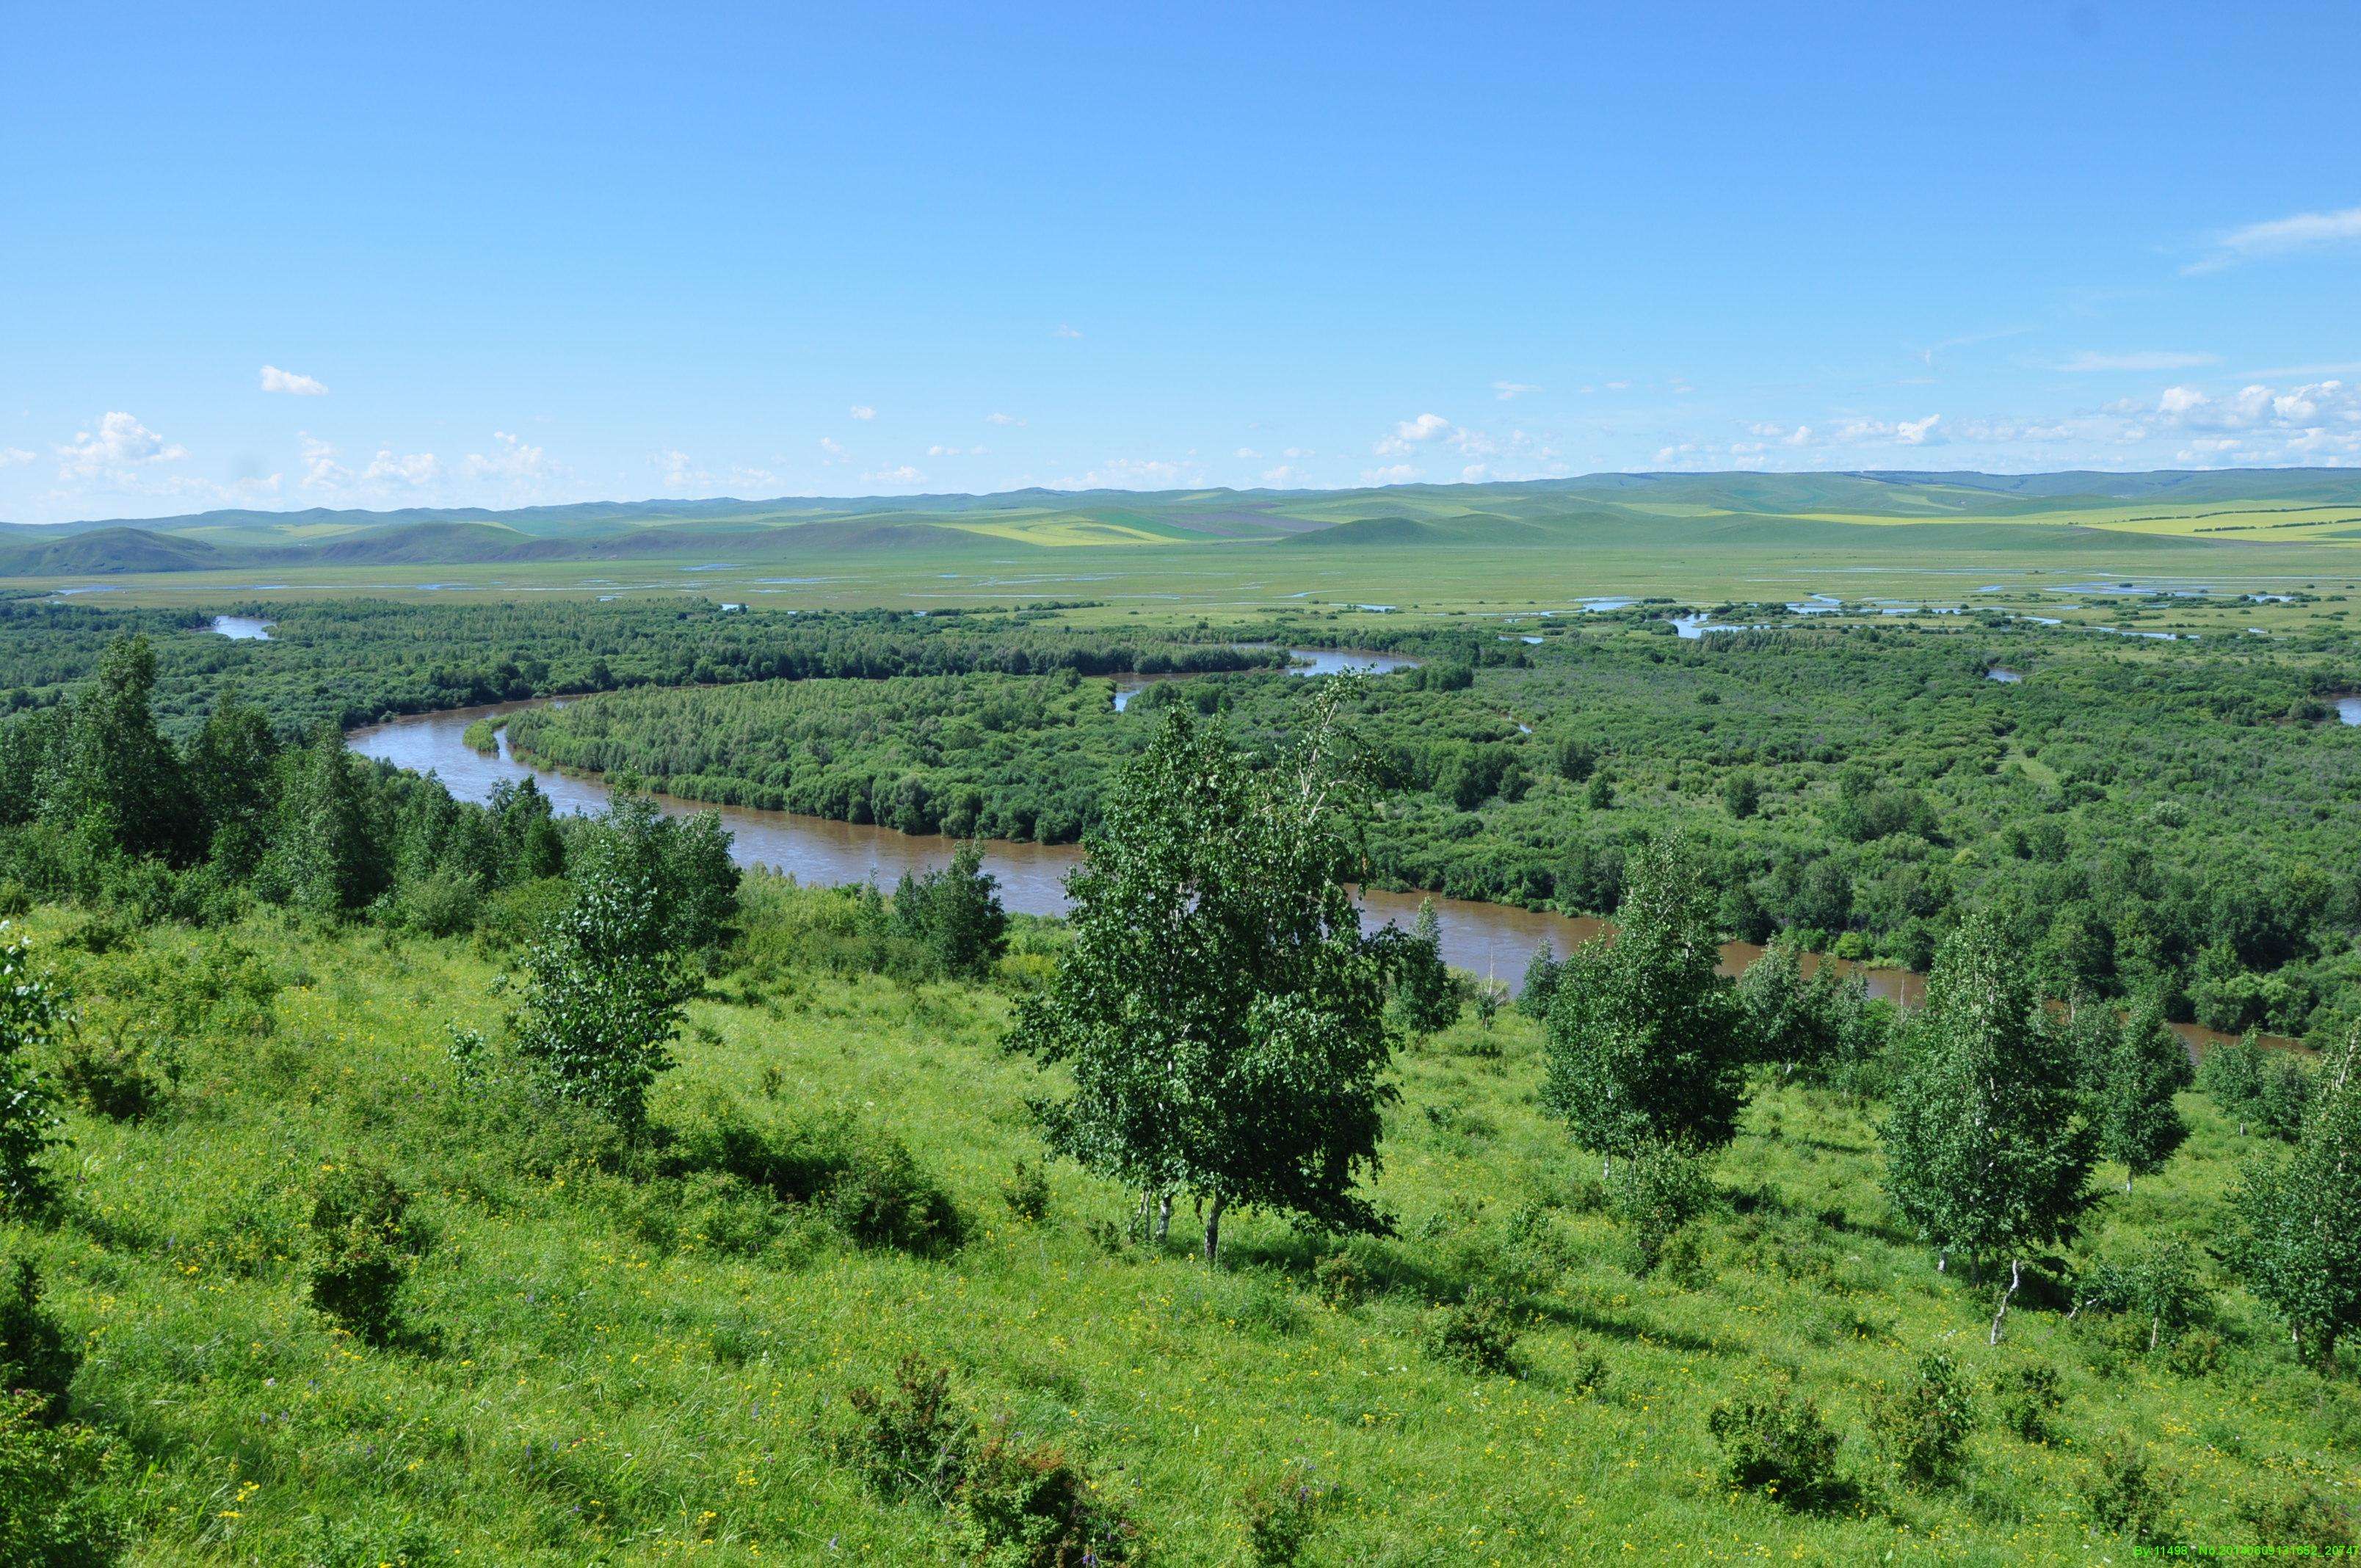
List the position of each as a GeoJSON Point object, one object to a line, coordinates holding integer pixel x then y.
{"type": "Point", "coordinates": [604, 1370]}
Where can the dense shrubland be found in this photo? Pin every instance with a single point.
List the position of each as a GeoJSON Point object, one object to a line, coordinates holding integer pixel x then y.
{"type": "Point", "coordinates": [2155, 823]}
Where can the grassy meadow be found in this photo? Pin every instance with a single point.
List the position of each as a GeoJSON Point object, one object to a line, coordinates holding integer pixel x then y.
{"type": "Point", "coordinates": [603, 1364]}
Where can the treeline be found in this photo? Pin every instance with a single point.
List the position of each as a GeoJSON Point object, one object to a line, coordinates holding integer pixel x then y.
{"type": "Point", "coordinates": [2161, 822]}
{"type": "Point", "coordinates": [99, 806]}
{"type": "Point", "coordinates": [352, 662]}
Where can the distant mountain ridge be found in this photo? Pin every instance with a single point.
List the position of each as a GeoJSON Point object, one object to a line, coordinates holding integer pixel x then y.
{"type": "Point", "coordinates": [1625, 507]}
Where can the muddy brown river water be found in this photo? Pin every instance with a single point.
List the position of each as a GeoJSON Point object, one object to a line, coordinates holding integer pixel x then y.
{"type": "Point", "coordinates": [1482, 938]}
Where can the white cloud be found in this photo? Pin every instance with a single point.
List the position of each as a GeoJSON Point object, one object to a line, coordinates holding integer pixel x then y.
{"type": "Point", "coordinates": [1394, 473]}
{"type": "Point", "coordinates": [409, 471]}
{"type": "Point", "coordinates": [1002, 419]}
{"type": "Point", "coordinates": [1285, 476]}
{"type": "Point", "coordinates": [514, 461]}
{"type": "Point", "coordinates": [861, 411]}
{"type": "Point", "coordinates": [320, 469]}
{"type": "Point", "coordinates": [2281, 236]}
{"type": "Point", "coordinates": [2145, 359]}
{"type": "Point", "coordinates": [1914, 432]}
{"type": "Point", "coordinates": [121, 445]}
{"type": "Point", "coordinates": [1135, 474]}
{"type": "Point", "coordinates": [682, 472]}
{"type": "Point", "coordinates": [834, 449]}
{"type": "Point", "coordinates": [1248, 453]}
{"type": "Point", "coordinates": [939, 451]}
{"type": "Point", "coordinates": [11, 456]}
{"type": "Point", "coordinates": [1505, 390]}
{"type": "Point", "coordinates": [274, 379]}
{"type": "Point", "coordinates": [1413, 433]}
{"type": "Point", "coordinates": [1064, 330]}
{"type": "Point", "coordinates": [904, 475]}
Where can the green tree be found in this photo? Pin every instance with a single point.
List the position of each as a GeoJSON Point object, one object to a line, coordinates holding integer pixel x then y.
{"type": "Point", "coordinates": [329, 857]}
{"type": "Point", "coordinates": [1795, 1022]}
{"type": "Point", "coordinates": [1986, 1150]}
{"type": "Point", "coordinates": [1646, 1042]}
{"type": "Point", "coordinates": [28, 1112]}
{"type": "Point", "coordinates": [1424, 996]}
{"type": "Point", "coordinates": [603, 995]}
{"type": "Point", "coordinates": [231, 770]}
{"type": "Point", "coordinates": [954, 912]}
{"type": "Point", "coordinates": [1219, 1009]}
{"type": "Point", "coordinates": [2299, 1245]}
{"type": "Point", "coordinates": [1540, 987]}
{"type": "Point", "coordinates": [2138, 1124]}
{"type": "Point", "coordinates": [1741, 794]}
{"type": "Point", "coordinates": [118, 780]}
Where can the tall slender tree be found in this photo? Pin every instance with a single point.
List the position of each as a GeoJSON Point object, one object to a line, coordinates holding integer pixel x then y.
{"type": "Point", "coordinates": [1219, 1009]}
{"type": "Point", "coordinates": [1987, 1150]}
{"type": "Point", "coordinates": [1647, 1044]}
{"type": "Point", "coordinates": [2299, 1244]}
{"type": "Point", "coordinates": [2138, 1124]}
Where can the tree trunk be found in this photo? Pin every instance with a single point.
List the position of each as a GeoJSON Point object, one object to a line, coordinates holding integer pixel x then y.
{"type": "Point", "coordinates": [2127, 1183]}
{"type": "Point", "coordinates": [2014, 1272]}
{"type": "Point", "coordinates": [1213, 1229]}
{"type": "Point", "coordinates": [1164, 1217]}
{"type": "Point", "coordinates": [1943, 1260]}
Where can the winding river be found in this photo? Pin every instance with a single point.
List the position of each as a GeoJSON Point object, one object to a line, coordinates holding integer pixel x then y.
{"type": "Point", "coordinates": [1492, 939]}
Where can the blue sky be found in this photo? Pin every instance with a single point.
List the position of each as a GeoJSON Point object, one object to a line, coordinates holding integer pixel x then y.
{"type": "Point", "coordinates": [500, 255]}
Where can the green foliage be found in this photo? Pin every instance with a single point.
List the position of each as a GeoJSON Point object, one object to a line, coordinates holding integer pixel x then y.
{"type": "Point", "coordinates": [603, 994]}
{"type": "Point", "coordinates": [1029, 1505]}
{"type": "Point", "coordinates": [1278, 1513]}
{"type": "Point", "coordinates": [35, 1356]}
{"type": "Point", "coordinates": [1479, 1331]}
{"type": "Point", "coordinates": [909, 1439]}
{"type": "Point", "coordinates": [364, 1246]}
{"type": "Point", "coordinates": [864, 1182]}
{"type": "Point", "coordinates": [28, 1117]}
{"type": "Point", "coordinates": [1647, 1045]}
{"type": "Point", "coordinates": [1540, 985]}
{"type": "Point", "coordinates": [1026, 1192]}
{"type": "Point", "coordinates": [1922, 1426]}
{"type": "Point", "coordinates": [2129, 1495]}
{"type": "Point", "coordinates": [1653, 1192]}
{"type": "Point", "coordinates": [1340, 1281]}
{"type": "Point", "coordinates": [953, 914]}
{"type": "Point", "coordinates": [2137, 1122]}
{"type": "Point", "coordinates": [57, 1507]}
{"type": "Point", "coordinates": [1774, 1440]}
{"type": "Point", "coordinates": [2298, 1243]}
{"type": "Point", "coordinates": [2028, 1396]}
{"type": "Point", "coordinates": [1421, 990]}
{"type": "Point", "coordinates": [1986, 1153]}
{"type": "Point", "coordinates": [2161, 1283]}
{"type": "Point", "coordinates": [1219, 1009]}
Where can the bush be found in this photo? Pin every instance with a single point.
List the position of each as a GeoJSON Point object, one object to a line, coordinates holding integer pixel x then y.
{"type": "Point", "coordinates": [365, 1246]}
{"type": "Point", "coordinates": [953, 915]}
{"type": "Point", "coordinates": [1653, 1194]}
{"type": "Point", "coordinates": [2130, 1497]}
{"type": "Point", "coordinates": [2300, 1520]}
{"type": "Point", "coordinates": [1278, 1514]}
{"type": "Point", "coordinates": [1775, 1442]}
{"type": "Point", "coordinates": [1026, 1192]}
{"type": "Point", "coordinates": [909, 1439]}
{"type": "Point", "coordinates": [36, 1358]}
{"type": "Point", "coordinates": [121, 1079]}
{"type": "Point", "coordinates": [1030, 1506]}
{"type": "Point", "coordinates": [1587, 1373]}
{"type": "Point", "coordinates": [864, 1183]}
{"type": "Point", "coordinates": [1479, 1333]}
{"type": "Point", "coordinates": [55, 1506]}
{"type": "Point", "coordinates": [1922, 1427]}
{"type": "Point", "coordinates": [2027, 1396]}
{"type": "Point", "coordinates": [2197, 1353]}
{"type": "Point", "coordinates": [1340, 1281]}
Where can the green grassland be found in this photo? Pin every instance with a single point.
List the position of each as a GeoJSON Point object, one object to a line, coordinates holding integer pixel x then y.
{"type": "Point", "coordinates": [604, 1368]}
{"type": "Point", "coordinates": [1930, 538]}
